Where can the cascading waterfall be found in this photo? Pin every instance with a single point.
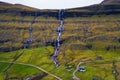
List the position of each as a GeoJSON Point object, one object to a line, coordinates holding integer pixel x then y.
{"type": "Point", "coordinates": [28, 41]}
{"type": "Point", "coordinates": [31, 29]}
{"type": "Point", "coordinates": [57, 40]}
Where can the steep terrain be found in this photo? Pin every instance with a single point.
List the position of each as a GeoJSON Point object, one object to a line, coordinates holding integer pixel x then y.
{"type": "Point", "coordinates": [107, 2]}
{"type": "Point", "coordinates": [107, 7]}
{"type": "Point", "coordinates": [16, 19]}
{"type": "Point", "coordinates": [91, 35]}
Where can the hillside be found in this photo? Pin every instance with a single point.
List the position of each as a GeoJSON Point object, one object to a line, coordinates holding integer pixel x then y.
{"type": "Point", "coordinates": [106, 7]}
{"type": "Point", "coordinates": [98, 9]}
{"type": "Point", "coordinates": [107, 2]}
{"type": "Point", "coordinates": [18, 18]}
{"type": "Point", "coordinates": [16, 7]}
{"type": "Point", "coordinates": [91, 38]}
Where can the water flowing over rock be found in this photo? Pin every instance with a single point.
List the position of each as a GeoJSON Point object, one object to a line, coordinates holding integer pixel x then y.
{"type": "Point", "coordinates": [57, 40]}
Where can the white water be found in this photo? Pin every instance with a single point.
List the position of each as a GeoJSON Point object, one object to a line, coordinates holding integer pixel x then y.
{"type": "Point", "coordinates": [57, 41]}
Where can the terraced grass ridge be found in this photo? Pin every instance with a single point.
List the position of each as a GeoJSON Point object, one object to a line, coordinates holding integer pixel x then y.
{"type": "Point", "coordinates": [91, 37]}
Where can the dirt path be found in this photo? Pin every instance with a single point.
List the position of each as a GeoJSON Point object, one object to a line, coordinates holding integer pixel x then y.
{"type": "Point", "coordinates": [77, 68]}
{"type": "Point", "coordinates": [34, 67]}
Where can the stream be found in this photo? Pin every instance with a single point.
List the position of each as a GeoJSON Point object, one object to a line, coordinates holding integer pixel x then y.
{"type": "Point", "coordinates": [30, 39]}
{"type": "Point", "coordinates": [57, 40]}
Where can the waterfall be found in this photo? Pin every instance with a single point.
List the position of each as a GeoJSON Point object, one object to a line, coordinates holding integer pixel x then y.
{"type": "Point", "coordinates": [30, 39]}
{"type": "Point", "coordinates": [57, 40]}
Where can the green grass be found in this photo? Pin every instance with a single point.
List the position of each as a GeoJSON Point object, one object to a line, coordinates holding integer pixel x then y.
{"type": "Point", "coordinates": [101, 27]}
{"type": "Point", "coordinates": [101, 71]}
{"type": "Point", "coordinates": [41, 57]}
{"type": "Point", "coordinates": [2, 77]}
{"type": "Point", "coordinates": [2, 68]}
{"type": "Point", "coordinates": [108, 55]}
{"type": "Point", "coordinates": [21, 71]}
{"type": "Point", "coordinates": [18, 71]}
{"type": "Point", "coordinates": [118, 69]}
{"type": "Point", "coordinates": [74, 48]}
{"type": "Point", "coordinates": [103, 31]}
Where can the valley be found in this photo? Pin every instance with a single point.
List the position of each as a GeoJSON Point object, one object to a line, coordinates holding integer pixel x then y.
{"type": "Point", "coordinates": [89, 39]}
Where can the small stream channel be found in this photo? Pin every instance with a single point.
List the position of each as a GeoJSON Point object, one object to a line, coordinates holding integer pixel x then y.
{"type": "Point", "coordinates": [57, 40]}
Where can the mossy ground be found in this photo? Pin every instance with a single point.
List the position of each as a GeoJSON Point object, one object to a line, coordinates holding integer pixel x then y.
{"type": "Point", "coordinates": [101, 68]}
{"type": "Point", "coordinates": [94, 38]}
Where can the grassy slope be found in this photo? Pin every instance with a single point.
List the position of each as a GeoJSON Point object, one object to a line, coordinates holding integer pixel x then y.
{"type": "Point", "coordinates": [34, 57]}
{"type": "Point", "coordinates": [100, 71]}
{"type": "Point", "coordinates": [5, 6]}
{"type": "Point", "coordinates": [99, 28]}
{"type": "Point", "coordinates": [110, 2]}
{"type": "Point", "coordinates": [2, 67]}
{"type": "Point", "coordinates": [105, 31]}
{"type": "Point", "coordinates": [18, 71]}
{"type": "Point", "coordinates": [103, 27]}
{"type": "Point", "coordinates": [41, 57]}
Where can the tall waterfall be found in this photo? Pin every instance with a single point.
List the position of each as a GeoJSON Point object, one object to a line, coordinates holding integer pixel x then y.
{"type": "Point", "coordinates": [57, 40]}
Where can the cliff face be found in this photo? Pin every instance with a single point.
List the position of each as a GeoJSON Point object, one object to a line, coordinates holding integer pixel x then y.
{"type": "Point", "coordinates": [111, 2]}
{"type": "Point", "coordinates": [16, 18]}
{"type": "Point", "coordinates": [106, 7]}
